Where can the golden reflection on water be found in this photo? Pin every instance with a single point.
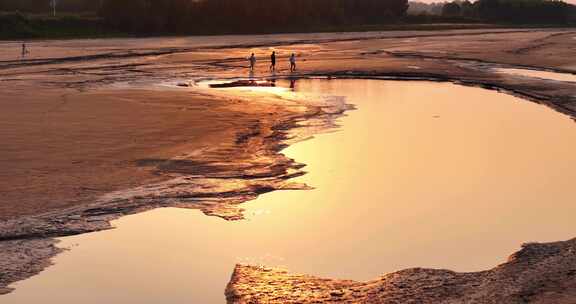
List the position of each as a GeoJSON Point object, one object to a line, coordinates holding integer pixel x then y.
{"type": "Point", "coordinates": [422, 174]}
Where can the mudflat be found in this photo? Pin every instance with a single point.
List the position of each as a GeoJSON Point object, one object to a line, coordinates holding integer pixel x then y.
{"type": "Point", "coordinates": [68, 136]}
{"type": "Point", "coordinates": [85, 122]}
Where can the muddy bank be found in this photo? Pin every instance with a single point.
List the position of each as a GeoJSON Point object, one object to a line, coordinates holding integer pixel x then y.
{"type": "Point", "coordinates": [235, 164]}
{"type": "Point", "coordinates": [538, 273]}
{"type": "Point", "coordinates": [22, 259]}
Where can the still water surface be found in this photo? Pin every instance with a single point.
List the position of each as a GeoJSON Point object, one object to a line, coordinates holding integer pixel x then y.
{"type": "Point", "coordinates": [422, 174]}
{"type": "Point", "coordinates": [564, 77]}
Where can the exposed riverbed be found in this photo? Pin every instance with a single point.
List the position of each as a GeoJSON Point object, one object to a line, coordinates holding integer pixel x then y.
{"type": "Point", "coordinates": [421, 174]}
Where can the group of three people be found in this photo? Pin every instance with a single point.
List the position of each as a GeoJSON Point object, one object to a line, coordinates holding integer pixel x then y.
{"type": "Point", "coordinates": [292, 60]}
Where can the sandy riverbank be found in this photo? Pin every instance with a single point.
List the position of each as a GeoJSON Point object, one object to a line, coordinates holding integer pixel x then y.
{"type": "Point", "coordinates": [81, 129]}
{"type": "Point", "coordinates": [62, 135]}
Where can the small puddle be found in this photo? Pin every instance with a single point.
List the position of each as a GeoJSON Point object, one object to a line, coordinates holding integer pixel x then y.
{"type": "Point", "coordinates": [565, 77]}
{"type": "Point", "coordinates": [422, 174]}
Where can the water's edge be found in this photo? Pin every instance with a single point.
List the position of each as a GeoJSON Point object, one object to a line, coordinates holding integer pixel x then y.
{"type": "Point", "coordinates": [270, 171]}
{"type": "Point", "coordinates": [538, 273]}
{"type": "Point", "coordinates": [215, 187]}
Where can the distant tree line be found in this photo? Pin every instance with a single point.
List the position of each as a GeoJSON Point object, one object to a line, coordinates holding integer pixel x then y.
{"type": "Point", "coordinates": [191, 16]}
{"type": "Point", "coordinates": [423, 8]}
{"type": "Point", "coordinates": [524, 11]}
{"type": "Point", "coordinates": [234, 16]}
{"type": "Point", "coordinates": [460, 8]}
{"type": "Point", "coordinates": [502, 11]}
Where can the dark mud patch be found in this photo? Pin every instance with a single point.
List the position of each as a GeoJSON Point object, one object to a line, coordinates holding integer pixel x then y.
{"type": "Point", "coordinates": [21, 259]}
{"type": "Point", "coordinates": [244, 83]}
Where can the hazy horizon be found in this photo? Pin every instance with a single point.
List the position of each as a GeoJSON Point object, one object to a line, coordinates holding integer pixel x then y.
{"type": "Point", "coordinates": [432, 1]}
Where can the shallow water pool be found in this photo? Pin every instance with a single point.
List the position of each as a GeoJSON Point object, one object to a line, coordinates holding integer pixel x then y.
{"type": "Point", "coordinates": [564, 77]}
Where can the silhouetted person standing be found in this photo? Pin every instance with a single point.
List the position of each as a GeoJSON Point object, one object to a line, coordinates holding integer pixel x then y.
{"type": "Point", "coordinates": [273, 61]}
{"type": "Point", "coordinates": [292, 62]}
{"type": "Point", "coordinates": [252, 62]}
{"type": "Point", "coordinates": [24, 50]}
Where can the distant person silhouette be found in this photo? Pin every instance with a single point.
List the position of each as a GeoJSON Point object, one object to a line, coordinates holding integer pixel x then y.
{"type": "Point", "coordinates": [292, 62]}
{"type": "Point", "coordinates": [24, 50]}
{"type": "Point", "coordinates": [252, 62]}
{"type": "Point", "coordinates": [273, 61]}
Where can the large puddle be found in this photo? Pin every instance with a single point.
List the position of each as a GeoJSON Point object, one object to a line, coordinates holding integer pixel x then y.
{"type": "Point", "coordinates": [421, 174]}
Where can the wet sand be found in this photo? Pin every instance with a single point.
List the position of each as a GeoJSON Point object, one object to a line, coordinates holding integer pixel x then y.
{"type": "Point", "coordinates": [67, 147]}
{"type": "Point", "coordinates": [72, 140]}
{"type": "Point", "coordinates": [60, 79]}
{"type": "Point", "coordinates": [538, 273]}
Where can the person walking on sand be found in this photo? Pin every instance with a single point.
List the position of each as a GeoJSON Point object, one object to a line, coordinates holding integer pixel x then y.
{"type": "Point", "coordinates": [252, 62]}
{"type": "Point", "coordinates": [273, 61]}
{"type": "Point", "coordinates": [292, 62]}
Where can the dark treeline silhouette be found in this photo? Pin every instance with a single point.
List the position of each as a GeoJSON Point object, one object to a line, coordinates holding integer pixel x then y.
{"type": "Point", "coordinates": [151, 17]}
{"type": "Point", "coordinates": [190, 16]}
{"type": "Point", "coordinates": [513, 11]}
{"type": "Point", "coordinates": [44, 6]}
{"type": "Point", "coordinates": [525, 11]}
